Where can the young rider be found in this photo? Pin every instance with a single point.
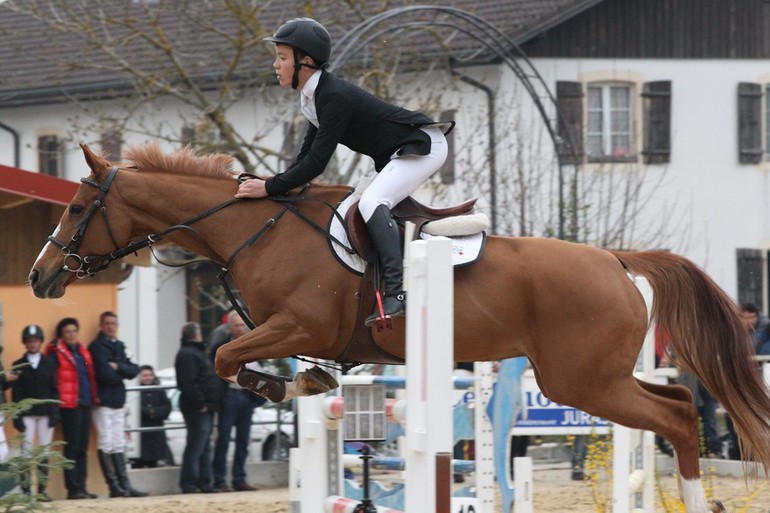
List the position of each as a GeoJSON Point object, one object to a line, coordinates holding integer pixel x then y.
{"type": "Point", "coordinates": [407, 147]}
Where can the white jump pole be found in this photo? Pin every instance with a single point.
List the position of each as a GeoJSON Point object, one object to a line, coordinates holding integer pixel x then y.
{"type": "Point", "coordinates": [310, 485]}
{"type": "Point", "coordinates": [633, 486]}
{"type": "Point", "coordinates": [429, 364]}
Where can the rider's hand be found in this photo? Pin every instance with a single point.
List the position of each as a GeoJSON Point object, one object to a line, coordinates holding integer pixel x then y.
{"type": "Point", "coordinates": [253, 188]}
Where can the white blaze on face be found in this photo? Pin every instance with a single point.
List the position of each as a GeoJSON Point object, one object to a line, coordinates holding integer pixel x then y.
{"type": "Point", "coordinates": [45, 248]}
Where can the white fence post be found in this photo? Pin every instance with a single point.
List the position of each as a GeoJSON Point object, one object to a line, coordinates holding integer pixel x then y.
{"type": "Point", "coordinates": [430, 358]}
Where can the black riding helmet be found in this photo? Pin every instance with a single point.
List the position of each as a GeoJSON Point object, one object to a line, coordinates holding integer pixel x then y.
{"type": "Point", "coordinates": [32, 331]}
{"type": "Point", "coordinates": [307, 35]}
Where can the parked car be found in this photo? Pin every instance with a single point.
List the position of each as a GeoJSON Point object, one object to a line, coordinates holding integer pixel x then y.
{"type": "Point", "coordinates": [270, 439]}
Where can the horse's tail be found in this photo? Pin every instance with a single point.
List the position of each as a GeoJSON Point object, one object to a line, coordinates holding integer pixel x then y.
{"type": "Point", "coordinates": [710, 340]}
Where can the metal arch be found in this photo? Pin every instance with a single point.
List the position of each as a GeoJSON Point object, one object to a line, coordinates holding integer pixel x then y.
{"type": "Point", "coordinates": [505, 49]}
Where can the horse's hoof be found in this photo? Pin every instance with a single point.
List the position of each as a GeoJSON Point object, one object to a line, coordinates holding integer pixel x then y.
{"type": "Point", "coordinates": [717, 507]}
{"type": "Point", "coordinates": [272, 388]}
{"type": "Point", "coordinates": [324, 377]}
{"type": "Point", "coordinates": [315, 381]}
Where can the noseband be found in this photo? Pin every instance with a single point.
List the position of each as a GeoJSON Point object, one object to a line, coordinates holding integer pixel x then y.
{"type": "Point", "coordinates": [90, 264]}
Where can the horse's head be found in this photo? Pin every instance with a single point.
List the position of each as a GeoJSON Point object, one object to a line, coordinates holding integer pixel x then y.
{"type": "Point", "coordinates": [82, 243]}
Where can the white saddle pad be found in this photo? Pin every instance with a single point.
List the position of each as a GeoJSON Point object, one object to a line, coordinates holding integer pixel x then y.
{"type": "Point", "coordinates": [466, 249]}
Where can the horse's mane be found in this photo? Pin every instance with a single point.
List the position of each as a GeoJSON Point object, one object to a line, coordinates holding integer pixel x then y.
{"type": "Point", "coordinates": [150, 157]}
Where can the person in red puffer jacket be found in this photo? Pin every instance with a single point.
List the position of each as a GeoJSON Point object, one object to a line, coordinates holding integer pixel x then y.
{"type": "Point", "coordinates": [77, 390]}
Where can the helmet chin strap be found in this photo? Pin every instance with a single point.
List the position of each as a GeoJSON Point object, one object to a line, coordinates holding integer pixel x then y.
{"type": "Point", "coordinates": [297, 66]}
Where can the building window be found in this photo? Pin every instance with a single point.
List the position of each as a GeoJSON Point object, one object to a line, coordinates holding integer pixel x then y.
{"type": "Point", "coordinates": [608, 121]}
{"type": "Point", "coordinates": [49, 155]}
{"type": "Point", "coordinates": [599, 125]}
{"type": "Point", "coordinates": [112, 144]}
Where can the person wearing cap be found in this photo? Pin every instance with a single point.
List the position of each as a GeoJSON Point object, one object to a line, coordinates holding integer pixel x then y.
{"type": "Point", "coordinates": [407, 147]}
{"type": "Point", "coordinates": [200, 397]}
{"type": "Point", "coordinates": [112, 366]}
{"type": "Point", "coordinates": [36, 379]}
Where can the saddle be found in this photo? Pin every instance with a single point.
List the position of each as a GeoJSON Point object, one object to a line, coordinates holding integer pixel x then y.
{"type": "Point", "coordinates": [361, 346]}
{"type": "Point", "coordinates": [409, 210]}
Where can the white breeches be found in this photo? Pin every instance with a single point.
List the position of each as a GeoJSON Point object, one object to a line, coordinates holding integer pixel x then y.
{"type": "Point", "coordinates": [37, 431]}
{"type": "Point", "coordinates": [403, 175]}
{"type": "Point", "coordinates": [110, 428]}
{"type": "Point", "coordinates": [4, 452]}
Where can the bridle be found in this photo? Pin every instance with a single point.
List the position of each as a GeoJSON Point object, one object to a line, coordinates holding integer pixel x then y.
{"type": "Point", "coordinates": [89, 265]}
{"type": "Point", "coordinates": [83, 264]}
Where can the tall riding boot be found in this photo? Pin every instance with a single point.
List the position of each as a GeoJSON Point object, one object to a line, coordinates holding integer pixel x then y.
{"type": "Point", "coordinates": [110, 475]}
{"type": "Point", "coordinates": [25, 481]}
{"type": "Point", "coordinates": [42, 481]}
{"type": "Point", "coordinates": [383, 232]}
{"type": "Point", "coordinates": [120, 469]}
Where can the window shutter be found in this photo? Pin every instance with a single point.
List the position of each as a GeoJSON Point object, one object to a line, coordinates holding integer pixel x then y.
{"type": "Point", "coordinates": [288, 148]}
{"type": "Point", "coordinates": [750, 276]}
{"type": "Point", "coordinates": [656, 97]}
{"type": "Point", "coordinates": [188, 135]}
{"type": "Point", "coordinates": [569, 100]}
{"type": "Point", "coordinates": [749, 123]}
{"type": "Point", "coordinates": [49, 155]}
{"type": "Point", "coordinates": [112, 145]}
{"type": "Point", "coordinates": [447, 171]}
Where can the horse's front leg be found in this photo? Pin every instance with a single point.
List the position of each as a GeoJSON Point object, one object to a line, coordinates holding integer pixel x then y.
{"type": "Point", "coordinates": [276, 338]}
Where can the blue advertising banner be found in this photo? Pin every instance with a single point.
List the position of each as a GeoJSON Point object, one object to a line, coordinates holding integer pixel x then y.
{"type": "Point", "coordinates": [541, 416]}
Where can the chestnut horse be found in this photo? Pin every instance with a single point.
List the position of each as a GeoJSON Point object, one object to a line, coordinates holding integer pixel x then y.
{"type": "Point", "coordinates": [571, 309]}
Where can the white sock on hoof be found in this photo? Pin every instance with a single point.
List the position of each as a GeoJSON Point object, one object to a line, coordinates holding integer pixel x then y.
{"type": "Point", "coordinates": [694, 497]}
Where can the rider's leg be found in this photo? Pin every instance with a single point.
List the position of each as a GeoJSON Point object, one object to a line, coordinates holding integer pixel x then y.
{"type": "Point", "coordinates": [397, 180]}
{"type": "Point", "coordinates": [383, 233]}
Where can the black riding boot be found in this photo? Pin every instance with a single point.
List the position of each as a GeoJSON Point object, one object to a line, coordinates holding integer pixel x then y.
{"type": "Point", "coordinates": [25, 481]}
{"type": "Point", "coordinates": [383, 232]}
{"type": "Point", "coordinates": [42, 481]}
{"type": "Point", "coordinates": [110, 475]}
{"type": "Point", "coordinates": [120, 469]}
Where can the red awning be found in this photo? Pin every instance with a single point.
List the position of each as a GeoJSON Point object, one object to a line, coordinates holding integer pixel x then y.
{"type": "Point", "coordinates": [15, 183]}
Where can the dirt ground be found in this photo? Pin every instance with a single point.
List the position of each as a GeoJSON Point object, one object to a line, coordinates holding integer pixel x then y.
{"type": "Point", "coordinates": [554, 492]}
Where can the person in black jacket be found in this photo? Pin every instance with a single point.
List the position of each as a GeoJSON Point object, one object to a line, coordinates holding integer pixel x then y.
{"type": "Point", "coordinates": [36, 379]}
{"type": "Point", "coordinates": [156, 407]}
{"type": "Point", "coordinates": [200, 397]}
{"type": "Point", "coordinates": [407, 147]}
{"type": "Point", "coordinates": [111, 367]}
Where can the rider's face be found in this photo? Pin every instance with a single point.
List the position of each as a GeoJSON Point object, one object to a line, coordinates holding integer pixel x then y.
{"type": "Point", "coordinates": [284, 64]}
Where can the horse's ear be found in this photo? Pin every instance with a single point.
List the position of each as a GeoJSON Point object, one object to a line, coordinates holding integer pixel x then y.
{"type": "Point", "coordinates": [97, 164]}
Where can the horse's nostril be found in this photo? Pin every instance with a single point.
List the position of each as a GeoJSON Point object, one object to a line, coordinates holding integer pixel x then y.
{"type": "Point", "coordinates": [33, 277]}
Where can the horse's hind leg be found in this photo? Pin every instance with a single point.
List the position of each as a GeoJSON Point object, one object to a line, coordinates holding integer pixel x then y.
{"type": "Point", "coordinates": [683, 394]}
{"type": "Point", "coordinates": [668, 411]}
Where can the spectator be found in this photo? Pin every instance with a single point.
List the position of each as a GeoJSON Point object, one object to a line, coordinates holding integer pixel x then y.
{"type": "Point", "coordinates": [111, 367]}
{"type": "Point", "coordinates": [77, 391]}
{"type": "Point", "coordinates": [201, 394]}
{"type": "Point", "coordinates": [36, 380]}
{"type": "Point", "coordinates": [6, 378]}
{"type": "Point", "coordinates": [519, 445]}
{"type": "Point", "coordinates": [156, 408]}
{"type": "Point", "coordinates": [579, 453]}
{"type": "Point", "coordinates": [706, 406]}
{"type": "Point", "coordinates": [756, 323]}
{"type": "Point", "coordinates": [238, 407]}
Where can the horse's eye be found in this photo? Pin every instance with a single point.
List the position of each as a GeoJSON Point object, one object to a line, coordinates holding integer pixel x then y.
{"type": "Point", "coordinates": [76, 209]}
